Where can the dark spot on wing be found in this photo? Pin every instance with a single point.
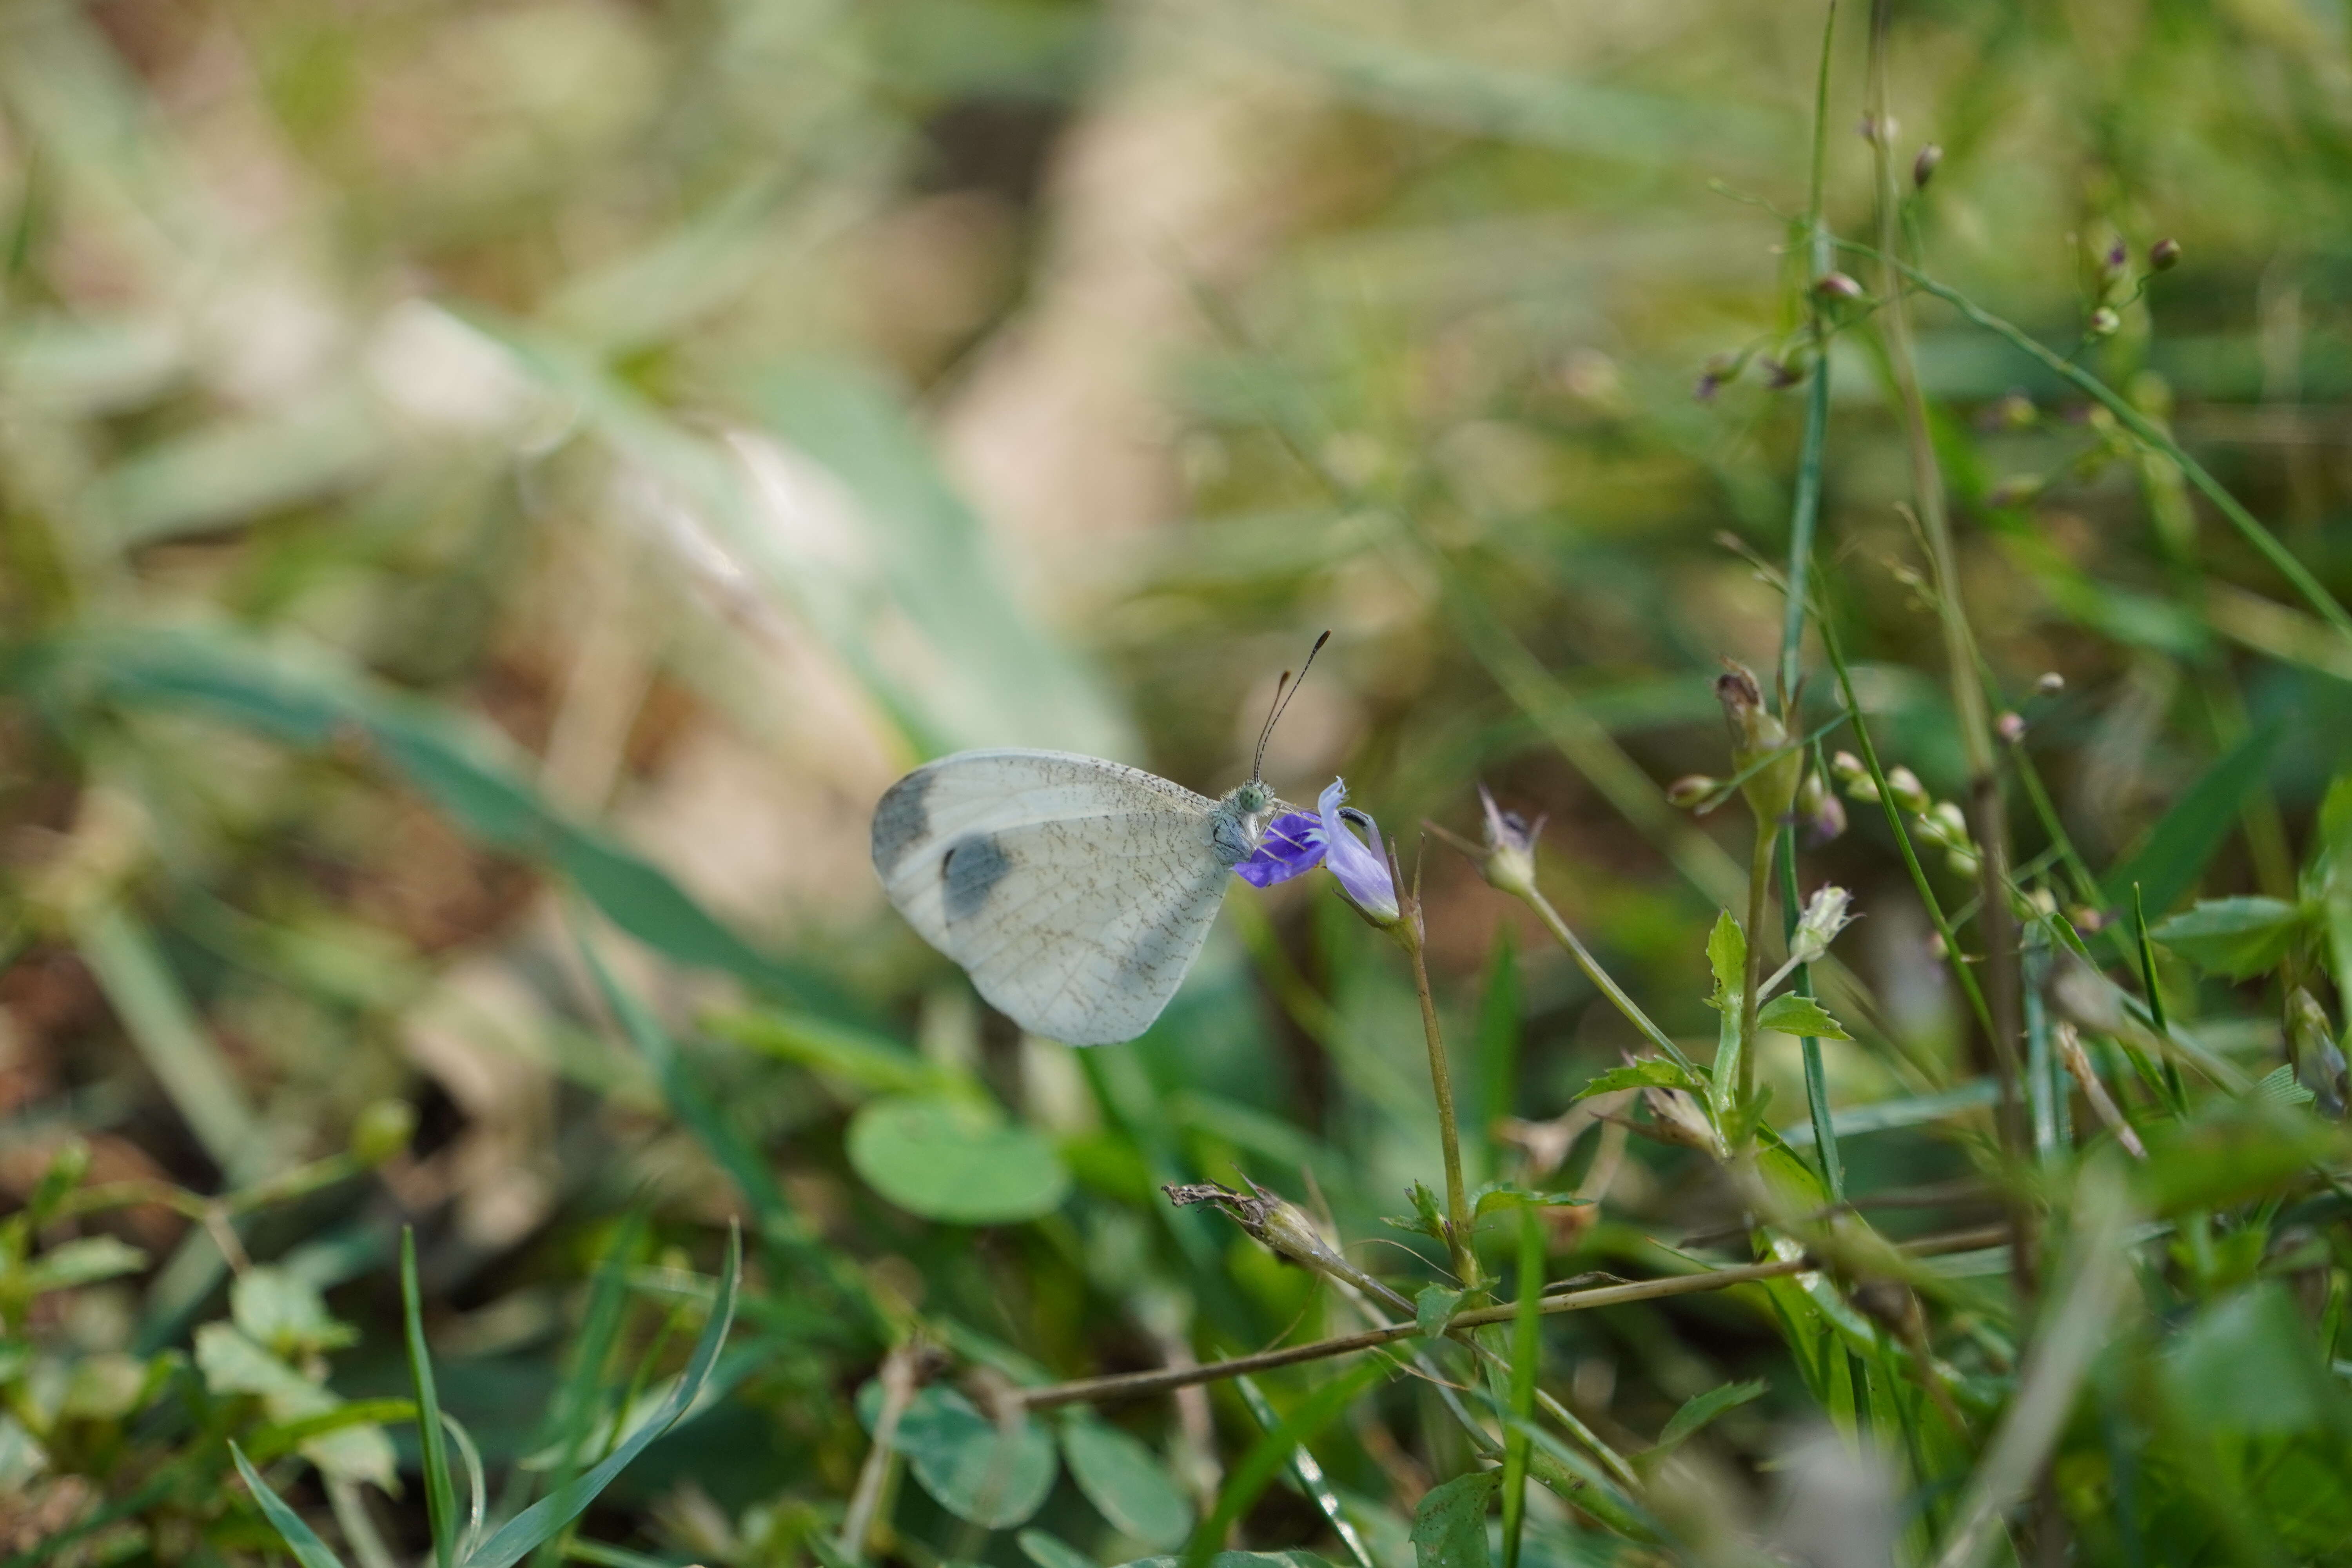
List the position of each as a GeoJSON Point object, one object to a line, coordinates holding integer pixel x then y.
{"type": "Point", "coordinates": [902, 819]}
{"type": "Point", "coordinates": [973, 867]}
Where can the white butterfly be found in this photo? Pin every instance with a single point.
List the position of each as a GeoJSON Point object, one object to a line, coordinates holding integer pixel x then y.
{"type": "Point", "coordinates": [1075, 891]}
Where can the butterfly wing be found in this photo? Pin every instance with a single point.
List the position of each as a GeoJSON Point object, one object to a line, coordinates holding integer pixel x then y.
{"type": "Point", "coordinates": [1076, 893]}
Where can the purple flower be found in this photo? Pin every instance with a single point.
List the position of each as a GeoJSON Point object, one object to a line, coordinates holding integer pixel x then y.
{"type": "Point", "coordinates": [1292, 845]}
{"type": "Point", "coordinates": [1363, 873]}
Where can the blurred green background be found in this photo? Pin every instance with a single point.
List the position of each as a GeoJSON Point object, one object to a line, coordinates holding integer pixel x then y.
{"type": "Point", "coordinates": [480, 480]}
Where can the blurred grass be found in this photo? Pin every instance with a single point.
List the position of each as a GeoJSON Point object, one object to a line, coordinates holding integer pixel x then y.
{"type": "Point", "coordinates": [489, 496]}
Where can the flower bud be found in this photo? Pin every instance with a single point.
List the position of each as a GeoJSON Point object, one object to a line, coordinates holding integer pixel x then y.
{"type": "Point", "coordinates": [1822, 813]}
{"type": "Point", "coordinates": [2086, 920]}
{"type": "Point", "coordinates": [1923, 167]}
{"type": "Point", "coordinates": [381, 1130]}
{"type": "Point", "coordinates": [1854, 778]}
{"type": "Point", "coordinates": [1837, 286]}
{"type": "Point", "coordinates": [1908, 792]}
{"type": "Point", "coordinates": [1677, 1119]}
{"type": "Point", "coordinates": [1691, 790]}
{"type": "Point", "coordinates": [2311, 1046]}
{"type": "Point", "coordinates": [1758, 741]}
{"type": "Point", "coordinates": [1829, 911]}
{"type": "Point", "coordinates": [2114, 259]}
{"type": "Point", "coordinates": [2050, 684]}
{"type": "Point", "coordinates": [1510, 849]}
{"type": "Point", "coordinates": [2011, 728]}
{"type": "Point", "coordinates": [1943, 824]}
{"type": "Point", "coordinates": [1963, 863]}
{"type": "Point", "coordinates": [1877, 128]}
{"type": "Point", "coordinates": [2164, 255]}
{"type": "Point", "coordinates": [2104, 322]}
{"type": "Point", "coordinates": [1276, 1222]}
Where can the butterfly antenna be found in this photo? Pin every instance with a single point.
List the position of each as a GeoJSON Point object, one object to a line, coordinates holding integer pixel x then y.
{"type": "Point", "coordinates": [1283, 690]}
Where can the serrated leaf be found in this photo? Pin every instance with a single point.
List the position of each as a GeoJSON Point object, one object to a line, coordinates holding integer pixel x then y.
{"type": "Point", "coordinates": [1697, 1412]}
{"type": "Point", "coordinates": [1126, 1481]}
{"type": "Point", "coordinates": [1433, 1307]}
{"type": "Point", "coordinates": [1800, 1015]}
{"type": "Point", "coordinates": [1726, 955]}
{"type": "Point", "coordinates": [1449, 1528]}
{"type": "Point", "coordinates": [2237, 938]}
{"type": "Point", "coordinates": [1651, 1072]}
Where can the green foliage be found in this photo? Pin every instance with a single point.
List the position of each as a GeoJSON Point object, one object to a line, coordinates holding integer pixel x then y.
{"type": "Point", "coordinates": [1126, 1481]}
{"type": "Point", "coordinates": [953, 1160]}
{"type": "Point", "coordinates": [994, 1474]}
{"type": "Point", "coordinates": [1449, 1528]}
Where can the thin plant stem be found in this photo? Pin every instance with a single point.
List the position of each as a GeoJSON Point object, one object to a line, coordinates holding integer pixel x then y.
{"type": "Point", "coordinates": [1988, 821]}
{"type": "Point", "coordinates": [1817, 1093]}
{"type": "Point", "coordinates": [1601, 978]}
{"type": "Point", "coordinates": [1759, 893]}
{"type": "Point", "coordinates": [1961, 972]}
{"type": "Point", "coordinates": [2250, 527]}
{"type": "Point", "coordinates": [1441, 1081]}
{"type": "Point", "coordinates": [1160, 1380]}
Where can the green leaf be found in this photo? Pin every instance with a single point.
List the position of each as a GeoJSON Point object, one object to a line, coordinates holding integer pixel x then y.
{"type": "Point", "coordinates": [1496, 1195]}
{"type": "Point", "coordinates": [1433, 1307]}
{"type": "Point", "coordinates": [1275, 1448]}
{"type": "Point", "coordinates": [1650, 1072]}
{"type": "Point", "coordinates": [300, 1539]}
{"type": "Point", "coordinates": [1449, 1528]}
{"type": "Point", "coordinates": [1126, 1481]}
{"type": "Point", "coordinates": [993, 1475]}
{"type": "Point", "coordinates": [2247, 1363]}
{"type": "Point", "coordinates": [2238, 938]}
{"type": "Point", "coordinates": [1292, 1559]}
{"type": "Point", "coordinates": [1800, 1015]}
{"type": "Point", "coordinates": [540, 1522]}
{"type": "Point", "coordinates": [2168, 861]}
{"type": "Point", "coordinates": [2278, 1087]}
{"type": "Point", "coordinates": [2240, 1150]}
{"type": "Point", "coordinates": [82, 1261]}
{"type": "Point", "coordinates": [1697, 1412]}
{"type": "Point", "coordinates": [1052, 1552]}
{"type": "Point", "coordinates": [440, 1485]}
{"type": "Point", "coordinates": [1427, 1218]}
{"type": "Point", "coordinates": [955, 1160]}
{"type": "Point", "coordinates": [1726, 956]}
{"type": "Point", "coordinates": [286, 1313]}
{"type": "Point", "coordinates": [862, 1059]}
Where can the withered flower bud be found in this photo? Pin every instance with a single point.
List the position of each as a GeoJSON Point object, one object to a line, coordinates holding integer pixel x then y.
{"type": "Point", "coordinates": [1283, 1228]}
{"type": "Point", "coordinates": [1758, 741]}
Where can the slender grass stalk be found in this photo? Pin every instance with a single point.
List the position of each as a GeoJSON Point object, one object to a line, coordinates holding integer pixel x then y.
{"type": "Point", "coordinates": [1309, 1475]}
{"type": "Point", "coordinates": [1525, 1347]}
{"type": "Point", "coordinates": [1441, 1082]}
{"type": "Point", "coordinates": [1602, 980]}
{"type": "Point", "coordinates": [1160, 1380]}
{"type": "Point", "coordinates": [1751, 974]}
{"type": "Point", "coordinates": [1987, 822]}
{"type": "Point", "coordinates": [2250, 527]}
{"type": "Point", "coordinates": [440, 1488]}
{"type": "Point", "coordinates": [1961, 972]}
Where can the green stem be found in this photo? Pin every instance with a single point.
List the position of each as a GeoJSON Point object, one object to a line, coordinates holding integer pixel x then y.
{"type": "Point", "coordinates": [2266, 542]}
{"type": "Point", "coordinates": [1817, 1092]}
{"type": "Point", "coordinates": [1601, 978]}
{"type": "Point", "coordinates": [1759, 892]}
{"type": "Point", "coordinates": [1961, 972]}
{"type": "Point", "coordinates": [1457, 1202]}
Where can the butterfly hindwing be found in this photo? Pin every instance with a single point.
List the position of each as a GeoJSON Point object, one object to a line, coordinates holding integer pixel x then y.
{"type": "Point", "coordinates": [1075, 891]}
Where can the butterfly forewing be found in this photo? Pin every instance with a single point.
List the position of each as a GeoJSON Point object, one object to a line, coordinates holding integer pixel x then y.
{"type": "Point", "coordinates": [1075, 891]}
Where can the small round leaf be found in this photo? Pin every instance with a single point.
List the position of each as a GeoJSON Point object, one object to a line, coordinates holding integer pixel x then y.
{"type": "Point", "coordinates": [1126, 1482]}
{"type": "Point", "coordinates": [948, 1160]}
{"type": "Point", "coordinates": [996, 1476]}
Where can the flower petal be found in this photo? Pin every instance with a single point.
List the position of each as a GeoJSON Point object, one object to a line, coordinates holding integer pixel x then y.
{"type": "Point", "coordinates": [1293, 844]}
{"type": "Point", "coordinates": [1363, 873]}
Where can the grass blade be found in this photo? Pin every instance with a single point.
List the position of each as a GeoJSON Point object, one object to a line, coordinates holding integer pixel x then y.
{"type": "Point", "coordinates": [300, 1539]}
{"type": "Point", "coordinates": [1310, 1474]}
{"type": "Point", "coordinates": [1274, 1449]}
{"type": "Point", "coordinates": [440, 1487]}
{"type": "Point", "coordinates": [541, 1522]}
